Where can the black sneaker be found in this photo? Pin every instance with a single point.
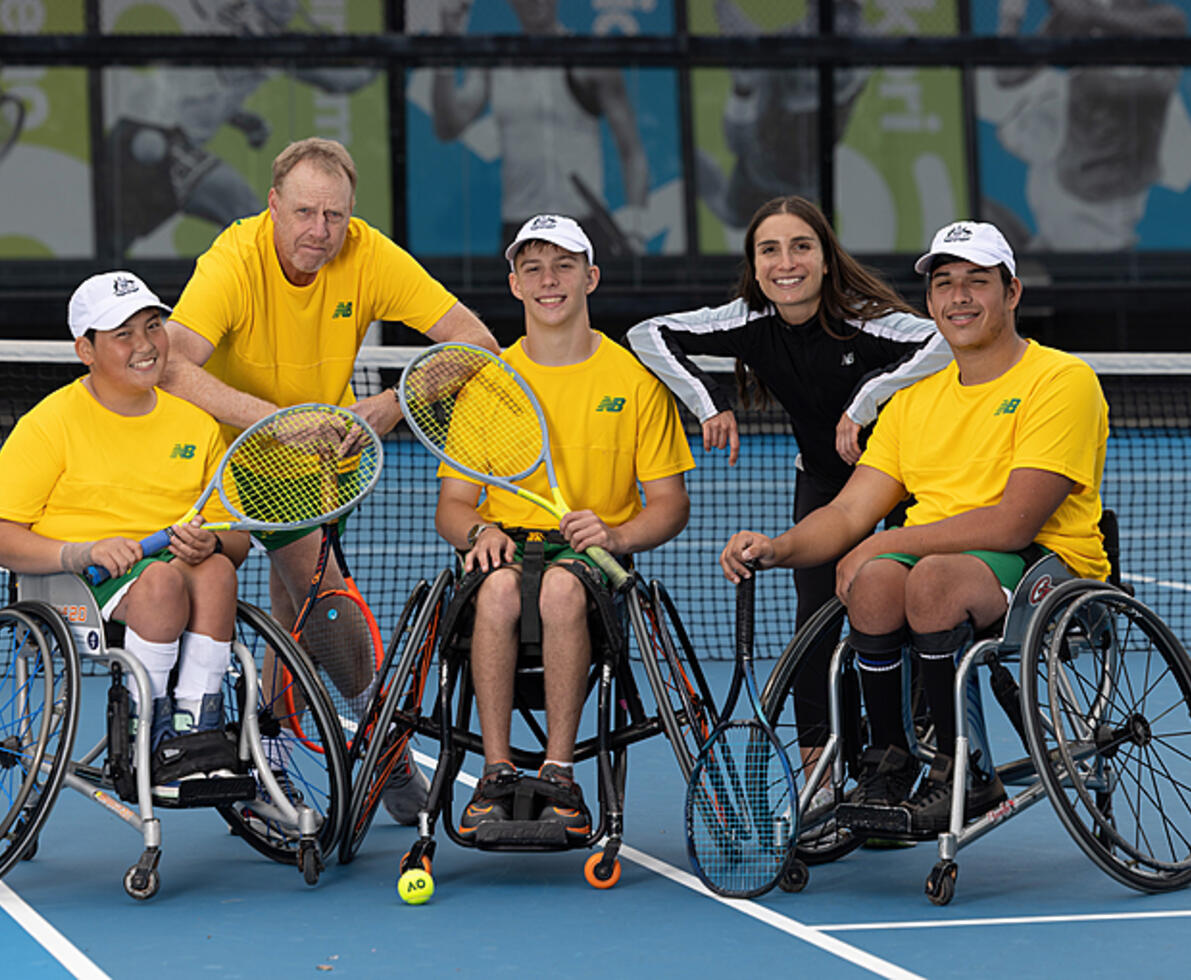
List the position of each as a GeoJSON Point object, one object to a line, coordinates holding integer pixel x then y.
{"type": "Point", "coordinates": [886, 777]}
{"type": "Point", "coordinates": [930, 806]}
{"type": "Point", "coordinates": [884, 782]}
{"type": "Point", "coordinates": [489, 803]}
{"type": "Point", "coordinates": [571, 812]}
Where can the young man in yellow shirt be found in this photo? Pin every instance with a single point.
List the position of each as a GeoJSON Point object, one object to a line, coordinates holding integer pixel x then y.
{"type": "Point", "coordinates": [614, 433]}
{"type": "Point", "coordinates": [104, 462]}
{"type": "Point", "coordinates": [1003, 452]}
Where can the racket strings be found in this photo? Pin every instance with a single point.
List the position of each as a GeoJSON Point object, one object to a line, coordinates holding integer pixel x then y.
{"type": "Point", "coordinates": [741, 816]}
{"type": "Point", "coordinates": [474, 412]}
{"type": "Point", "coordinates": [303, 465]}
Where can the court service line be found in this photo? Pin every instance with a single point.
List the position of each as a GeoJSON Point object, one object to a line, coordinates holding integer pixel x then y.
{"type": "Point", "coordinates": [1015, 920]}
{"type": "Point", "coordinates": [49, 938]}
{"type": "Point", "coordinates": [813, 935]}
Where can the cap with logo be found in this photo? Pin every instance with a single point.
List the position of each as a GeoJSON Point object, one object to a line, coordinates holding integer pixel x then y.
{"type": "Point", "coordinates": [554, 228]}
{"type": "Point", "coordinates": [976, 241]}
{"type": "Point", "coordinates": [106, 300]}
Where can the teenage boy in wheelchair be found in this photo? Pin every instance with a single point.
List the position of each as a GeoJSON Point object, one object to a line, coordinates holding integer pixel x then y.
{"type": "Point", "coordinates": [100, 464]}
{"type": "Point", "coordinates": [615, 434]}
{"type": "Point", "coordinates": [1003, 452]}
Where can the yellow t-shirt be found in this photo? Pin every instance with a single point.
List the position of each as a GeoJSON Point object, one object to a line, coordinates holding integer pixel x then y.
{"type": "Point", "coordinates": [612, 424]}
{"type": "Point", "coordinates": [75, 471]}
{"type": "Point", "coordinates": [291, 344]}
{"type": "Point", "coordinates": [953, 446]}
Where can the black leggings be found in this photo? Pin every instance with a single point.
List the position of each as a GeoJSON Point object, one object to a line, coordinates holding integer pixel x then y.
{"type": "Point", "coordinates": [815, 586]}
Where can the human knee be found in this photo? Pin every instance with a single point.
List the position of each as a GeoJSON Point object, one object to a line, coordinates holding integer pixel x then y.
{"type": "Point", "coordinates": [563, 598]}
{"type": "Point", "coordinates": [499, 597]}
{"type": "Point", "coordinates": [876, 600]}
{"type": "Point", "coordinates": [158, 603]}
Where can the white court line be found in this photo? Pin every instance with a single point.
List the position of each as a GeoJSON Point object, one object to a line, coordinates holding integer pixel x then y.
{"type": "Point", "coordinates": [1017, 920]}
{"type": "Point", "coordinates": [1150, 580]}
{"type": "Point", "coordinates": [54, 943]}
{"type": "Point", "coordinates": [808, 934]}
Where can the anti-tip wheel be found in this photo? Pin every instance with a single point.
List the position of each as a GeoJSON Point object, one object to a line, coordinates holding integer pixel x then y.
{"type": "Point", "coordinates": [599, 873]}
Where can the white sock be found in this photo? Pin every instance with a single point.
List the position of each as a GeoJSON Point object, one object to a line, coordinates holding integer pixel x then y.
{"type": "Point", "coordinates": [201, 666]}
{"type": "Point", "coordinates": [157, 658]}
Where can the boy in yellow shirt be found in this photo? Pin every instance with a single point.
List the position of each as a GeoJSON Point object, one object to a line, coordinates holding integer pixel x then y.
{"type": "Point", "coordinates": [614, 434]}
{"type": "Point", "coordinates": [105, 461]}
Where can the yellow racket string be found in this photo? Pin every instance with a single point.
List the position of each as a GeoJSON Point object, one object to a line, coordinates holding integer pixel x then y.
{"type": "Point", "coordinates": [474, 411]}
{"type": "Point", "coordinates": [303, 465]}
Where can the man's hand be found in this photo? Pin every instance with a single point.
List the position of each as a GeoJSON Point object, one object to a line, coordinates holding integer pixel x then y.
{"type": "Point", "coordinates": [719, 432]}
{"type": "Point", "coordinates": [847, 439]}
{"type": "Point", "coordinates": [743, 549]}
{"type": "Point", "coordinates": [192, 542]}
{"type": "Point", "coordinates": [492, 549]}
{"type": "Point", "coordinates": [583, 530]}
{"type": "Point", "coordinates": [381, 411]}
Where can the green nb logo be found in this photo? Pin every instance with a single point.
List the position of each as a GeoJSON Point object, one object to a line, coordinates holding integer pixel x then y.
{"type": "Point", "coordinates": [610, 404]}
{"type": "Point", "coordinates": [1008, 406]}
{"type": "Point", "coordinates": [182, 452]}
{"type": "Point", "coordinates": [342, 309]}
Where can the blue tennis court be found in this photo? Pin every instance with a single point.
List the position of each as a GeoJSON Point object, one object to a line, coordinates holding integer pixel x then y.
{"type": "Point", "coordinates": [1028, 902]}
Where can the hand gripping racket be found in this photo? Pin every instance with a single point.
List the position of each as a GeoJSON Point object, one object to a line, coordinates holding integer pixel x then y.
{"type": "Point", "coordinates": [741, 801]}
{"type": "Point", "coordinates": [478, 415]}
{"type": "Point", "coordinates": [297, 467]}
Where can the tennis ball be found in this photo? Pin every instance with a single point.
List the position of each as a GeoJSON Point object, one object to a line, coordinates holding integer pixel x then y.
{"type": "Point", "coordinates": [415, 886]}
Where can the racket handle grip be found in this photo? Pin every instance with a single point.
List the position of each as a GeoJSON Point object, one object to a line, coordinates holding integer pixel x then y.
{"type": "Point", "coordinates": [746, 591]}
{"type": "Point", "coordinates": [610, 567]}
{"type": "Point", "coordinates": [158, 541]}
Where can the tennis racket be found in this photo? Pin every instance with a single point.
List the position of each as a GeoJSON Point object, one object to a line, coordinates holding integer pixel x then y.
{"type": "Point", "coordinates": [741, 801]}
{"type": "Point", "coordinates": [297, 467]}
{"type": "Point", "coordinates": [479, 416]}
{"type": "Point", "coordinates": [337, 628]}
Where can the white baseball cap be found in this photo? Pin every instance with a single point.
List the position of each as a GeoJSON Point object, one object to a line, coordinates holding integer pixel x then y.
{"type": "Point", "coordinates": [106, 300]}
{"type": "Point", "coordinates": [554, 228]}
{"type": "Point", "coordinates": [975, 241]}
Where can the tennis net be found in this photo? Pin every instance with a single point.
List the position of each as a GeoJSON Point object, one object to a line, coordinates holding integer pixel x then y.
{"type": "Point", "coordinates": [391, 542]}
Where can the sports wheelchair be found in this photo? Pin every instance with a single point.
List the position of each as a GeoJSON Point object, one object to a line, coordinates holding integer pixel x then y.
{"type": "Point", "coordinates": [438, 618]}
{"type": "Point", "coordinates": [288, 803]}
{"type": "Point", "coordinates": [1102, 704]}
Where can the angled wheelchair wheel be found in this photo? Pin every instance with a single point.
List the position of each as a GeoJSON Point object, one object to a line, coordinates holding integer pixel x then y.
{"type": "Point", "coordinates": [1106, 700]}
{"type": "Point", "coordinates": [39, 704]}
{"type": "Point", "coordinates": [686, 705]}
{"type": "Point", "coordinates": [311, 767]}
{"type": "Point", "coordinates": [820, 838]}
{"type": "Point", "coordinates": [392, 718]}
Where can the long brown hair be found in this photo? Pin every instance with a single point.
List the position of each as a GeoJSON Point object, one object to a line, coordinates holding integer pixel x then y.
{"type": "Point", "coordinates": [849, 291]}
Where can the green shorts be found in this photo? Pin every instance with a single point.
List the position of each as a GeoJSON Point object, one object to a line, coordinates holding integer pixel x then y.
{"type": "Point", "coordinates": [111, 590]}
{"type": "Point", "coordinates": [272, 540]}
{"type": "Point", "coordinates": [1007, 566]}
{"type": "Point", "coordinates": [553, 552]}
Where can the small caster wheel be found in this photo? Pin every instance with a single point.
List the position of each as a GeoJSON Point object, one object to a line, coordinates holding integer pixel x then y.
{"type": "Point", "coordinates": [141, 883]}
{"type": "Point", "coordinates": [940, 883]}
{"type": "Point", "coordinates": [600, 872]}
{"type": "Point", "coordinates": [408, 862]}
{"type": "Point", "coordinates": [794, 876]}
{"type": "Point", "coordinates": [309, 862]}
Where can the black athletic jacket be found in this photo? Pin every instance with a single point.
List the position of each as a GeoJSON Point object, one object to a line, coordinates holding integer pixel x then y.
{"type": "Point", "coordinates": [814, 376]}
